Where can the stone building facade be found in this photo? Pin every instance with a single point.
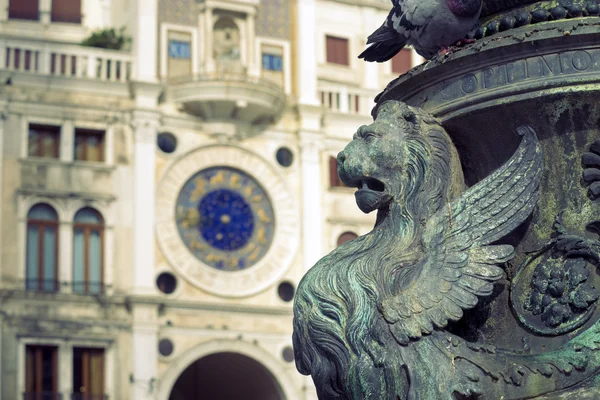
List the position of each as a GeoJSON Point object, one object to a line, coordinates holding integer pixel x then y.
{"type": "Point", "coordinates": [160, 203]}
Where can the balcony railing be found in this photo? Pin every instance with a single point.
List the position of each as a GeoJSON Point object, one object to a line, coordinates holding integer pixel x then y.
{"type": "Point", "coordinates": [69, 60]}
{"type": "Point", "coordinates": [51, 175]}
{"type": "Point", "coordinates": [77, 287]}
{"type": "Point", "coordinates": [346, 101]}
{"type": "Point", "coordinates": [59, 396]}
{"type": "Point", "coordinates": [84, 396]}
{"type": "Point", "coordinates": [42, 285]}
{"type": "Point", "coordinates": [223, 76]}
{"type": "Point", "coordinates": [42, 396]}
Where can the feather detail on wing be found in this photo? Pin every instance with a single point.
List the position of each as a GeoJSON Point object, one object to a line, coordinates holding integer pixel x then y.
{"type": "Point", "coordinates": [386, 44]}
{"type": "Point", "coordinates": [460, 265]}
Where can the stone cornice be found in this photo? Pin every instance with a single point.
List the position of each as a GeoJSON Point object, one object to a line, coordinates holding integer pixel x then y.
{"type": "Point", "coordinates": [122, 300]}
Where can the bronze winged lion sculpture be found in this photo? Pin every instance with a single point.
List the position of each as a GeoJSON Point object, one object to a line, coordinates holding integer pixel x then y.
{"type": "Point", "coordinates": [370, 318]}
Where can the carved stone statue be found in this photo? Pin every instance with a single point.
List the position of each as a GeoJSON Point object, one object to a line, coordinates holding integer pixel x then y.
{"type": "Point", "coordinates": [376, 318]}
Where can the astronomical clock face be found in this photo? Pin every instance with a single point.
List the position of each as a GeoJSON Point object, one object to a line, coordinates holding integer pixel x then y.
{"type": "Point", "coordinates": [225, 218]}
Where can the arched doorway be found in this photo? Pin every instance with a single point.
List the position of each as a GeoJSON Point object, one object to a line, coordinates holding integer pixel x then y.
{"type": "Point", "coordinates": [226, 376]}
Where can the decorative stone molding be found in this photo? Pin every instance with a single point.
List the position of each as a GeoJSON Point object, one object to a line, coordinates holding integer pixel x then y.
{"type": "Point", "coordinates": [228, 283]}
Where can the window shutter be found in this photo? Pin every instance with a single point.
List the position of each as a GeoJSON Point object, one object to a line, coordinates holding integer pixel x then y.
{"type": "Point", "coordinates": [23, 9]}
{"type": "Point", "coordinates": [337, 50]}
{"type": "Point", "coordinates": [66, 11]}
{"type": "Point", "coordinates": [330, 49]}
{"type": "Point", "coordinates": [334, 179]}
{"type": "Point", "coordinates": [402, 61]}
{"type": "Point", "coordinates": [344, 59]}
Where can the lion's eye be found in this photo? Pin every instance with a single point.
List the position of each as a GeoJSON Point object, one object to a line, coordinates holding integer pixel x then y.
{"type": "Point", "coordinates": [367, 136]}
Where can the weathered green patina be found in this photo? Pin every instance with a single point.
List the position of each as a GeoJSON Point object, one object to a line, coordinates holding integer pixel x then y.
{"type": "Point", "coordinates": [480, 278]}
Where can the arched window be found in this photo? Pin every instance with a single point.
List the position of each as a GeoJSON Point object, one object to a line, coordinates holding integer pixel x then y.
{"type": "Point", "coordinates": [88, 236]}
{"type": "Point", "coordinates": [42, 249]}
{"type": "Point", "coordinates": [346, 237]}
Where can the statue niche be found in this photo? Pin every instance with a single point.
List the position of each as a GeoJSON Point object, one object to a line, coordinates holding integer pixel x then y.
{"type": "Point", "coordinates": [226, 46]}
{"type": "Point", "coordinates": [371, 318]}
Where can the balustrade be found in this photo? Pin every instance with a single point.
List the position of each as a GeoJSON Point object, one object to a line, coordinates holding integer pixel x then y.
{"type": "Point", "coordinates": [70, 60]}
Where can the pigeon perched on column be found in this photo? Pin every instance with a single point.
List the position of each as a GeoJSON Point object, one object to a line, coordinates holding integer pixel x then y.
{"type": "Point", "coordinates": [426, 25]}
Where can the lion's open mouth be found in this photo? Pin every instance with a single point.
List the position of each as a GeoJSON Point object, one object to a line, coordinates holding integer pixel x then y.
{"type": "Point", "coordinates": [371, 194]}
{"type": "Point", "coordinates": [371, 184]}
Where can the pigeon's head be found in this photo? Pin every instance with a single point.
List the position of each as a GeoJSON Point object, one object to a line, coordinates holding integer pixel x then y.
{"type": "Point", "coordinates": [392, 159]}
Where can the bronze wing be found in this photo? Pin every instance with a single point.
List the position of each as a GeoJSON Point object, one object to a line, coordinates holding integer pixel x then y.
{"type": "Point", "coordinates": [460, 265]}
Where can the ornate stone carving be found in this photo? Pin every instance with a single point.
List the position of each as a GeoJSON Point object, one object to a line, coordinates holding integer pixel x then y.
{"type": "Point", "coordinates": [554, 291]}
{"type": "Point", "coordinates": [282, 250]}
{"type": "Point", "coordinates": [591, 173]}
{"type": "Point", "coordinates": [374, 318]}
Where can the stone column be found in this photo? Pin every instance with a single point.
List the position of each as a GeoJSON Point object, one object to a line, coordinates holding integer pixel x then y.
{"type": "Point", "coordinates": [67, 141]}
{"type": "Point", "coordinates": [251, 45]}
{"type": "Point", "coordinates": [306, 65]}
{"type": "Point", "coordinates": [144, 329]}
{"type": "Point", "coordinates": [145, 353]}
{"type": "Point", "coordinates": [45, 7]}
{"type": "Point", "coordinates": [3, 17]}
{"type": "Point", "coordinates": [145, 40]}
{"type": "Point", "coordinates": [207, 35]}
{"type": "Point", "coordinates": [371, 71]}
{"type": "Point", "coordinates": [3, 117]}
{"type": "Point", "coordinates": [65, 374]}
{"type": "Point", "coordinates": [65, 256]}
{"type": "Point", "coordinates": [145, 125]}
{"type": "Point", "coordinates": [312, 204]}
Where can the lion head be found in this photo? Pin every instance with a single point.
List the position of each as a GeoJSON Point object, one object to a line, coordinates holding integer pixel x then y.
{"type": "Point", "coordinates": [402, 154]}
{"type": "Point", "coordinates": [405, 166]}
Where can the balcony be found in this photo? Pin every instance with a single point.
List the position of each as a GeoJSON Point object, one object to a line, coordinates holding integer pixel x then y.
{"type": "Point", "coordinates": [64, 60]}
{"type": "Point", "coordinates": [346, 100]}
{"type": "Point", "coordinates": [84, 396]}
{"type": "Point", "coordinates": [47, 176]}
{"type": "Point", "coordinates": [225, 97]}
{"type": "Point", "coordinates": [59, 396]}
{"type": "Point", "coordinates": [42, 396]}
{"type": "Point", "coordinates": [76, 287]}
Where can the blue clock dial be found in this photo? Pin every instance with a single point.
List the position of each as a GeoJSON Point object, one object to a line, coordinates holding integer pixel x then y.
{"type": "Point", "coordinates": [225, 218]}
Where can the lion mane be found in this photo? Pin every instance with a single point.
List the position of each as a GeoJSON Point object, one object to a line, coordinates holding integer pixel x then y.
{"type": "Point", "coordinates": [340, 336]}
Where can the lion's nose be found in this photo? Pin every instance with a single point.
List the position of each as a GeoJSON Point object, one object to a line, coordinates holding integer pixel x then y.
{"type": "Point", "coordinates": [341, 157]}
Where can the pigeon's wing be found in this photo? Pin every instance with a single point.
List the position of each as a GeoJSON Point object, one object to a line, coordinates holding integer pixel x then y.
{"type": "Point", "coordinates": [390, 37]}
{"type": "Point", "coordinates": [413, 15]}
{"type": "Point", "coordinates": [460, 265]}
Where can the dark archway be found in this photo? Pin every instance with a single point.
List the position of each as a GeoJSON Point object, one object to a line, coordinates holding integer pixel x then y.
{"type": "Point", "coordinates": [226, 376]}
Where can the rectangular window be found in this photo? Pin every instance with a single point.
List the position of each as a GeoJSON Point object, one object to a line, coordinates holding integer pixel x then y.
{"type": "Point", "coordinates": [89, 145]}
{"type": "Point", "coordinates": [24, 9]}
{"type": "Point", "coordinates": [337, 50]}
{"type": "Point", "coordinates": [402, 61]}
{"type": "Point", "coordinates": [179, 49]}
{"type": "Point", "coordinates": [88, 374]}
{"type": "Point", "coordinates": [334, 178]}
{"type": "Point", "coordinates": [41, 373]}
{"type": "Point", "coordinates": [68, 11]}
{"type": "Point", "coordinates": [179, 54]}
{"type": "Point", "coordinates": [272, 64]}
{"type": "Point", "coordinates": [43, 141]}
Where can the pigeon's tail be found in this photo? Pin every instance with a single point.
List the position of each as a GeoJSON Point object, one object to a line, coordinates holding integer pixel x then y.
{"type": "Point", "coordinates": [386, 43]}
